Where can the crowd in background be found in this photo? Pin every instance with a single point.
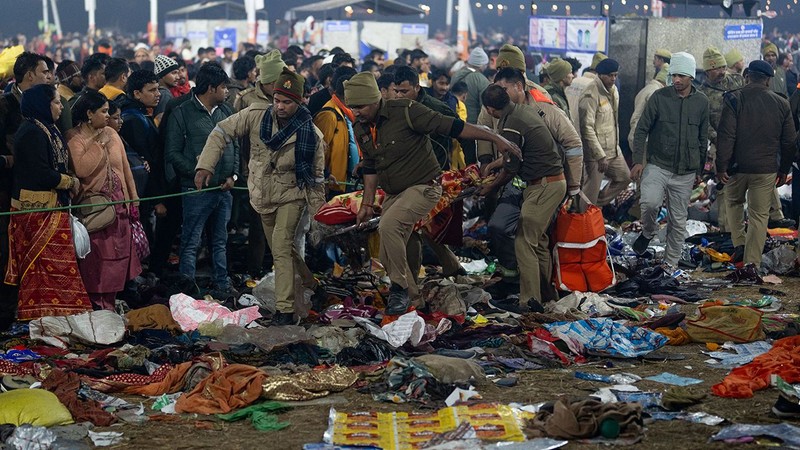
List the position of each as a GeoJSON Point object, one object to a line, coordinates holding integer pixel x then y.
{"type": "Point", "coordinates": [114, 117]}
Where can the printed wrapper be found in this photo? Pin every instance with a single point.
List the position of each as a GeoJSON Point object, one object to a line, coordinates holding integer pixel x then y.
{"type": "Point", "coordinates": [410, 431]}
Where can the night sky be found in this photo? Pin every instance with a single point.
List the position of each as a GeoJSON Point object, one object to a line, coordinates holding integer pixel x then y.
{"type": "Point", "coordinates": [132, 15]}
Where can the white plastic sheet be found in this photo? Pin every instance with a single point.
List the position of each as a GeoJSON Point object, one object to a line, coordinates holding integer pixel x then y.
{"type": "Point", "coordinates": [97, 327]}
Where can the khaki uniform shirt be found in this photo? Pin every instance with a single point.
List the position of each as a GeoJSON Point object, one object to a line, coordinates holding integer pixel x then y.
{"type": "Point", "coordinates": [599, 111]}
{"type": "Point", "coordinates": [522, 125]}
{"type": "Point", "coordinates": [558, 96]}
{"type": "Point", "coordinates": [401, 153]}
{"type": "Point", "coordinates": [729, 82]}
{"type": "Point", "coordinates": [561, 129]}
{"type": "Point", "coordinates": [251, 96]}
{"type": "Point", "coordinates": [638, 106]}
{"type": "Point", "coordinates": [573, 93]}
{"type": "Point", "coordinates": [272, 181]}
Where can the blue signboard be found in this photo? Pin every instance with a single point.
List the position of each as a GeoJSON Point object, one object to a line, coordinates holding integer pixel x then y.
{"type": "Point", "coordinates": [414, 28]}
{"type": "Point", "coordinates": [744, 31]}
{"type": "Point", "coordinates": [337, 25]}
{"type": "Point", "coordinates": [225, 37]}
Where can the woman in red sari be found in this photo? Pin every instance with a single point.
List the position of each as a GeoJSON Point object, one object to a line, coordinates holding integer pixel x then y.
{"type": "Point", "coordinates": [97, 156]}
{"type": "Point", "coordinates": [42, 259]}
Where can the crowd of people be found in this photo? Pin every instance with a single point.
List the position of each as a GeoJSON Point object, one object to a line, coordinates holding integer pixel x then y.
{"type": "Point", "coordinates": [105, 128]}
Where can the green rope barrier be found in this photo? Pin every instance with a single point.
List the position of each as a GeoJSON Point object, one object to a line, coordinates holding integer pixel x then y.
{"type": "Point", "coordinates": [146, 199]}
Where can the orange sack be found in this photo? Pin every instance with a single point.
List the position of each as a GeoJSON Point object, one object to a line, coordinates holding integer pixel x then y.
{"type": "Point", "coordinates": [783, 360]}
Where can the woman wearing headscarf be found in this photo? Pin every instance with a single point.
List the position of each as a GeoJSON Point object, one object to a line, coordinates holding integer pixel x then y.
{"type": "Point", "coordinates": [97, 156]}
{"type": "Point", "coordinates": [42, 260]}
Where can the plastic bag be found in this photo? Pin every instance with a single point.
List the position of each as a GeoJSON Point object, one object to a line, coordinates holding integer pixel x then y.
{"type": "Point", "coordinates": [80, 237]}
{"type": "Point", "coordinates": [726, 323]}
{"type": "Point", "coordinates": [97, 327]}
{"type": "Point", "coordinates": [265, 293]}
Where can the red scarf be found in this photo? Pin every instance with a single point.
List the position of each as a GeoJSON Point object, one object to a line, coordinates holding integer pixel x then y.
{"type": "Point", "coordinates": [180, 90]}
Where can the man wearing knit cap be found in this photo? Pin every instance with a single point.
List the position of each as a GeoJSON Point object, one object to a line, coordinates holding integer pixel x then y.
{"type": "Point", "coordinates": [287, 161]}
{"type": "Point", "coordinates": [599, 119]}
{"type": "Point", "coordinates": [575, 90]}
{"type": "Point", "coordinates": [397, 154]}
{"type": "Point", "coordinates": [472, 75]}
{"type": "Point", "coordinates": [661, 57]}
{"type": "Point", "coordinates": [756, 148]}
{"type": "Point", "coordinates": [561, 77]}
{"type": "Point", "coordinates": [718, 81]}
{"type": "Point", "coordinates": [777, 82]}
{"type": "Point", "coordinates": [735, 61]}
{"type": "Point", "coordinates": [674, 129]}
{"type": "Point", "coordinates": [269, 67]}
{"type": "Point", "coordinates": [168, 74]}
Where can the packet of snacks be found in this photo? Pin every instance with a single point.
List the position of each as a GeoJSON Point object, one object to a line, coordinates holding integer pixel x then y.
{"type": "Point", "coordinates": [411, 431]}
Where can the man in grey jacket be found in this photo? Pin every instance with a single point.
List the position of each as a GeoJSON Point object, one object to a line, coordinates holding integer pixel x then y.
{"type": "Point", "coordinates": [674, 128]}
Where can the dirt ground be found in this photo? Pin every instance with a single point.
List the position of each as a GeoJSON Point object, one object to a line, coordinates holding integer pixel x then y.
{"type": "Point", "coordinates": [308, 423]}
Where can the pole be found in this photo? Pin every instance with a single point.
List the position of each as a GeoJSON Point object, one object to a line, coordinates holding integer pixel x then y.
{"type": "Point", "coordinates": [251, 6]}
{"type": "Point", "coordinates": [448, 20]}
{"type": "Point", "coordinates": [45, 17]}
{"type": "Point", "coordinates": [56, 17]}
{"type": "Point", "coordinates": [463, 26]}
{"type": "Point", "coordinates": [472, 28]}
{"type": "Point", "coordinates": [90, 6]}
{"type": "Point", "coordinates": [152, 26]}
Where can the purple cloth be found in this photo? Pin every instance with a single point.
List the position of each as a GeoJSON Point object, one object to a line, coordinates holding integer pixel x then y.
{"type": "Point", "coordinates": [112, 261]}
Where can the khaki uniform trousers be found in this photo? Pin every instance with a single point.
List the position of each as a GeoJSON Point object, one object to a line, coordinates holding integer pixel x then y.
{"type": "Point", "coordinates": [280, 227]}
{"type": "Point", "coordinates": [619, 174]}
{"type": "Point", "coordinates": [447, 259]}
{"type": "Point", "coordinates": [775, 209]}
{"type": "Point", "coordinates": [400, 213]}
{"type": "Point", "coordinates": [532, 244]}
{"type": "Point", "coordinates": [759, 191]}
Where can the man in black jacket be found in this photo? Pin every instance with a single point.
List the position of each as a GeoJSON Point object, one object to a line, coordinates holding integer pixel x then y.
{"type": "Point", "coordinates": [141, 133]}
{"type": "Point", "coordinates": [756, 161]}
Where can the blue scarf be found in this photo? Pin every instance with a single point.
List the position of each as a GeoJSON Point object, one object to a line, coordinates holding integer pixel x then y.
{"type": "Point", "coordinates": [304, 148]}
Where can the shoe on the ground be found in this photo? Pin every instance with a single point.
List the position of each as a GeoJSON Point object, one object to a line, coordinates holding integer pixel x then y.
{"type": "Point", "coordinates": [506, 272]}
{"type": "Point", "coordinates": [281, 319]}
{"type": "Point", "coordinates": [398, 301]}
{"type": "Point", "coordinates": [641, 244]}
{"type": "Point", "coordinates": [738, 254]}
{"type": "Point", "coordinates": [511, 304]}
{"type": "Point", "coordinates": [535, 306]}
{"type": "Point", "coordinates": [786, 409]}
{"type": "Point", "coordinates": [224, 293]}
{"type": "Point", "coordinates": [781, 223]}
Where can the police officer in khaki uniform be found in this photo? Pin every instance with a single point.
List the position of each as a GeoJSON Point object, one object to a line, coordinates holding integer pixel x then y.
{"type": "Point", "coordinates": [270, 67]}
{"type": "Point", "coordinates": [398, 156]}
{"type": "Point", "coordinates": [287, 162]}
{"type": "Point", "coordinates": [542, 170]}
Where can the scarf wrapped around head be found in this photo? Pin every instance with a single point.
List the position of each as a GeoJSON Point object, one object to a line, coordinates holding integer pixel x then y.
{"type": "Point", "coordinates": [35, 107]}
{"type": "Point", "coordinates": [304, 148]}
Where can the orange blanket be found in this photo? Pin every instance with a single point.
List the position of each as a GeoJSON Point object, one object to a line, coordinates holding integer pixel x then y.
{"type": "Point", "coordinates": [233, 387]}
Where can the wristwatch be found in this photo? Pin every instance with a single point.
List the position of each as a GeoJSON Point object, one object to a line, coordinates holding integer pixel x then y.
{"type": "Point", "coordinates": [235, 178]}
